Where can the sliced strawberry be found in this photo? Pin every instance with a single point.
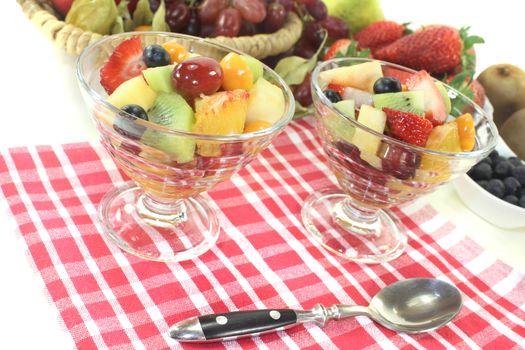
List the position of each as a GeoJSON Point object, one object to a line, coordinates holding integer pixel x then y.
{"type": "Point", "coordinates": [435, 109]}
{"type": "Point", "coordinates": [124, 63]}
{"type": "Point", "coordinates": [399, 74]}
{"type": "Point", "coordinates": [339, 46]}
{"type": "Point", "coordinates": [339, 88]}
{"type": "Point", "coordinates": [408, 127]}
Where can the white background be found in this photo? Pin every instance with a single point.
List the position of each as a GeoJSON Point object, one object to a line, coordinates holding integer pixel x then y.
{"type": "Point", "coordinates": [40, 104]}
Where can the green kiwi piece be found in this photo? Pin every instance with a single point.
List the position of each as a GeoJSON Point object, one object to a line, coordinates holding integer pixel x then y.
{"type": "Point", "coordinates": [159, 78]}
{"type": "Point", "coordinates": [172, 111]}
{"type": "Point", "coordinates": [407, 101]}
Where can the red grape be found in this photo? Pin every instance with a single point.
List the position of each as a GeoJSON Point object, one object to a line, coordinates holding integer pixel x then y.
{"type": "Point", "coordinates": [206, 30]}
{"type": "Point", "coordinates": [288, 4]}
{"type": "Point", "coordinates": [197, 75]}
{"type": "Point", "coordinates": [194, 25]}
{"type": "Point", "coordinates": [209, 10]}
{"type": "Point", "coordinates": [336, 27]}
{"type": "Point", "coordinates": [314, 33]}
{"type": "Point", "coordinates": [253, 11]}
{"type": "Point", "coordinates": [275, 17]}
{"type": "Point", "coordinates": [177, 16]}
{"type": "Point", "coordinates": [247, 29]}
{"type": "Point", "coordinates": [317, 9]}
{"type": "Point", "coordinates": [302, 92]}
{"type": "Point", "coordinates": [228, 23]}
{"type": "Point", "coordinates": [304, 48]}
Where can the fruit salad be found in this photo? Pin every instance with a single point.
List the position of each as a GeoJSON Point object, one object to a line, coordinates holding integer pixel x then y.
{"type": "Point", "coordinates": [168, 85]}
{"type": "Point", "coordinates": [410, 107]}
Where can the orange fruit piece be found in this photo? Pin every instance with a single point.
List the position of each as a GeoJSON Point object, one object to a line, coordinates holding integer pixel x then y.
{"type": "Point", "coordinates": [236, 73]}
{"type": "Point", "coordinates": [178, 53]}
{"type": "Point", "coordinates": [142, 28]}
{"type": "Point", "coordinates": [444, 138]}
{"type": "Point", "coordinates": [256, 126]}
{"type": "Point", "coordinates": [466, 131]}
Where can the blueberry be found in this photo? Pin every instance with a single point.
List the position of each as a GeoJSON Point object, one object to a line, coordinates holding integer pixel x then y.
{"type": "Point", "coordinates": [481, 171]}
{"type": "Point", "coordinates": [155, 56]}
{"type": "Point", "coordinates": [333, 96]}
{"type": "Point", "coordinates": [512, 186]}
{"type": "Point", "coordinates": [387, 84]}
{"type": "Point", "coordinates": [487, 160]}
{"type": "Point", "coordinates": [497, 159]}
{"type": "Point", "coordinates": [521, 202]}
{"type": "Point", "coordinates": [126, 126]}
{"type": "Point", "coordinates": [135, 110]}
{"type": "Point", "coordinates": [519, 173]}
{"type": "Point", "coordinates": [502, 169]}
{"type": "Point", "coordinates": [515, 161]}
{"type": "Point", "coordinates": [482, 183]}
{"type": "Point", "coordinates": [496, 187]}
{"type": "Point", "coordinates": [494, 154]}
{"type": "Point", "coordinates": [511, 199]}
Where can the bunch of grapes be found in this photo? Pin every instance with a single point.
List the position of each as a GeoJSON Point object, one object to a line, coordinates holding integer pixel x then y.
{"type": "Point", "coordinates": [210, 18]}
{"type": "Point", "coordinates": [316, 24]}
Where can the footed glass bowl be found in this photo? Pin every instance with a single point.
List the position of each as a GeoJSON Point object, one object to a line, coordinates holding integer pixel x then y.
{"type": "Point", "coordinates": [161, 215]}
{"type": "Point", "coordinates": [354, 221]}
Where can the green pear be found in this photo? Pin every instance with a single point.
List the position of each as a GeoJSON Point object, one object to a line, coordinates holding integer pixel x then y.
{"type": "Point", "coordinates": [358, 14]}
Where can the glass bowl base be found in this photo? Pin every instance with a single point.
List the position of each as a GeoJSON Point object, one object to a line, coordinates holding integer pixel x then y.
{"type": "Point", "coordinates": [354, 233]}
{"type": "Point", "coordinates": [187, 232]}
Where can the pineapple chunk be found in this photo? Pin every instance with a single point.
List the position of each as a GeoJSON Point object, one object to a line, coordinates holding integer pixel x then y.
{"type": "Point", "coordinates": [266, 102]}
{"type": "Point", "coordinates": [360, 76]}
{"type": "Point", "coordinates": [375, 119]}
{"type": "Point", "coordinates": [133, 91]}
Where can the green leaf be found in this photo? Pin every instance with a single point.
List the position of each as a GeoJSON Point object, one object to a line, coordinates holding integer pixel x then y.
{"type": "Point", "coordinates": [142, 14]}
{"type": "Point", "coordinates": [159, 19]}
{"type": "Point", "coordinates": [96, 16]}
{"type": "Point", "coordinates": [472, 40]}
{"type": "Point", "coordinates": [293, 69]}
{"type": "Point", "coordinates": [118, 26]}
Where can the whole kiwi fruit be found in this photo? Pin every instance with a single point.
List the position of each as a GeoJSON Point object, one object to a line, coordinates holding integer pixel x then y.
{"type": "Point", "coordinates": [505, 88]}
{"type": "Point", "coordinates": [513, 132]}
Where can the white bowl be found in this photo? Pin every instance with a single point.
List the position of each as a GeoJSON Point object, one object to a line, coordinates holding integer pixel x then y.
{"type": "Point", "coordinates": [487, 206]}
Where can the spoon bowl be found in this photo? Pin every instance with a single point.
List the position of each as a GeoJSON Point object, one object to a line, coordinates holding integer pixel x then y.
{"type": "Point", "coordinates": [416, 305]}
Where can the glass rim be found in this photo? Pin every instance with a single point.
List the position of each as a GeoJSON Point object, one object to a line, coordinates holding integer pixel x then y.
{"type": "Point", "coordinates": [280, 124]}
{"type": "Point", "coordinates": [471, 154]}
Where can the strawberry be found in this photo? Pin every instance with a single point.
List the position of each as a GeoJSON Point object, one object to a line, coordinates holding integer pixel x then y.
{"type": "Point", "coordinates": [339, 88]}
{"type": "Point", "coordinates": [379, 34]}
{"type": "Point", "coordinates": [436, 49]}
{"type": "Point", "coordinates": [339, 46]}
{"type": "Point", "coordinates": [479, 92]}
{"type": "Point", "coordinates": [124, 63]}
{"type": "Point", "coordinates": [408, 127]}
{"type": "Point", "coordinates": [435, 109]}
{"type": "Point", "coordinates": [399, 74]}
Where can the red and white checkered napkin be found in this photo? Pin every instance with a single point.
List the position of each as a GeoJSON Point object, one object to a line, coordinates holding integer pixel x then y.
{"type": "Point", "coordinates": [109, 299]}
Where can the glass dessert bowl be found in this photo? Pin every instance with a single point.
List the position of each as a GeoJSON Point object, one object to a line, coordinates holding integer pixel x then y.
{"type": "Point", "coordinates": [175, 134]}
{"type": "Point", "coordinates": [390, 135]}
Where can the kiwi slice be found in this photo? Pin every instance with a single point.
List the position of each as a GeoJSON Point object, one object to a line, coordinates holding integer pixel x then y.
{"type": "Point", "coordinates": [159, 78]}
{"type": "Point", "coordinates": [443, 91]}
{"type": "Point", "coordinates": [407, 101]}
{"type": "Point", "coordinates": [172, 111]}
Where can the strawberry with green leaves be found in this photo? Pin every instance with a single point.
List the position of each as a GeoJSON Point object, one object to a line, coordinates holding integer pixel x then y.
{"type": "Point", "coordinates": [345, 48]}
{"type": "Point", "coordinates": [437, 49]}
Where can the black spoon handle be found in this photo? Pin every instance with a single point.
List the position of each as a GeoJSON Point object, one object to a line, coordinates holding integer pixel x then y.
{"type": "Point", "coordinates": [239, 323]}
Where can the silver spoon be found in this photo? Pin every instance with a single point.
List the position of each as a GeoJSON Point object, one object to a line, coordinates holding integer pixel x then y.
{"type": "Point", "coordinates": [412, 306]}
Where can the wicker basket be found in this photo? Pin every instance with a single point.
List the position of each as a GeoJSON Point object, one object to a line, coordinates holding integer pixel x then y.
{"type": "Point", "coordinates": [74, 39]}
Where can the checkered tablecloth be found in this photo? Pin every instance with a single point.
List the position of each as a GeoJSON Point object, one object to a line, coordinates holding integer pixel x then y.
{"type": "Point", "coordinates": [263, 259]}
